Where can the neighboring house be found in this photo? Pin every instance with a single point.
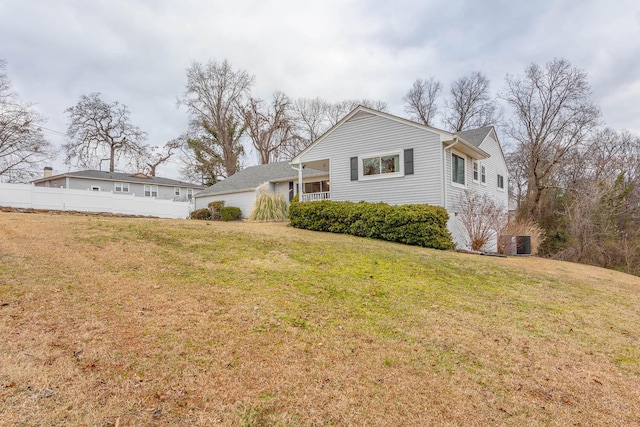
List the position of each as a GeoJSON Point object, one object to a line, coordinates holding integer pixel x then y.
{"type": "Point", "coordinates": [240, 189]}
{"type": "Point", "coordinates": [377, 157]}
{"type": "Point", "coordinates": [137, 184]}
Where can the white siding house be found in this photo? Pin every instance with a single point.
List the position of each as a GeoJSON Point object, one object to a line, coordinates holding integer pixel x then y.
{"type": "Point", "coordinates": [377, 157]}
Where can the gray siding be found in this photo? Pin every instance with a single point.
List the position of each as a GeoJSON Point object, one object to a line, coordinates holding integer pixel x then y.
{"type": "Point", "coordinates": [164, 192]}
{"type": "Point", "coordinates": [54, 183]}
{"type": "Point", "coordinates": [494, 165]}
{"type": "Point", "coordinates": [373, 135]}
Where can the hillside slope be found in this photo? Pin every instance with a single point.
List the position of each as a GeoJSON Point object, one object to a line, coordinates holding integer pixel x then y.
{"type": "Point", "coordinates": [113, 321]}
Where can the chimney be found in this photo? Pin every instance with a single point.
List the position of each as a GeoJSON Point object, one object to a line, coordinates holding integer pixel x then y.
{"type": "Point", "coordinates": [48, 171]}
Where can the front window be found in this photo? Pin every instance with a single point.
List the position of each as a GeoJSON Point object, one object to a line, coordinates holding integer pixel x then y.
{"type": "Point", "coordinates": [316, 187]}
{"type": "Point", "coordinates": [189, 193]}
{"type": "Point", "coordinates": [475, 171]}
{"type": "Point", "coordinates": [381, 165]}
{"type": "Point", "coordinates": [150, 191]}
{"type": "Point", "coordinates": [484, 175]}
{"type": "Point", "coordinates": [122, 187]}
{"type": "Point", "coordinates": [457, 169]}
{"type": "Point", "coordinates": [501, 182]}
{"type": "Point", "coordinates": [176, 191]}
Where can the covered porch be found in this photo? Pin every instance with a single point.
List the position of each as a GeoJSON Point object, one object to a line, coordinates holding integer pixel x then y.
{"type": "Point", "coordinates": [314, 181]}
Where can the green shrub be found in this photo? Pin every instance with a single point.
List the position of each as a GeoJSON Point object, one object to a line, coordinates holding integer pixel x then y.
{"type": "Point", "coordinates": [203, 213]}
{"type": "Point", "coordinates": [296, 198]}
{"type": "Point", "coordinates": [269, 207]}
{"type": "Point", "coordinates": [216, 208]}
{"type": "Point", "coordinates": [420, 225]}
{"type": "Point", "coordinates": [230, 213]}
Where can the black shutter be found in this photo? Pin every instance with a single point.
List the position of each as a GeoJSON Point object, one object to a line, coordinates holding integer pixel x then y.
{"type": "Point", "coordinates": [354, 169]}
{"type": "Point", "coordinates": [408, 161]}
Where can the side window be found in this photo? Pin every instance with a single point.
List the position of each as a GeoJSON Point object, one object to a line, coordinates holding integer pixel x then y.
{"type": "Point", "coordinates": [457, 169]}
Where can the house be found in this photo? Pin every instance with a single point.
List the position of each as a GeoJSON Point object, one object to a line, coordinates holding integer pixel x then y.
{"type": "Point", "coordinates": [240, 189]}
{"type": "Point", "coordinates": [137, 184]}
{"type": "Point", "coordinates": [377, 157]}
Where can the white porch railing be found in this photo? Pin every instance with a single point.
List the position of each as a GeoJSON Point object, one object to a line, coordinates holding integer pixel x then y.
{"type": "Point", "coordinates": [312, 197]}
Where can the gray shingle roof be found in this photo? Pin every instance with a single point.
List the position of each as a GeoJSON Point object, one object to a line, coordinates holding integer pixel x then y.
{"type": "Point", "coordinates": [253, 176]}
{"type": "Point", "coordinates": [475, 136]}
{"type": "Point", "coordinates": [122, 177]}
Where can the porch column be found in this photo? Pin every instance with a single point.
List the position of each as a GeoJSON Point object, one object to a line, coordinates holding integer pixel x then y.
{"type": "Point", "coordinates": [300, 186]}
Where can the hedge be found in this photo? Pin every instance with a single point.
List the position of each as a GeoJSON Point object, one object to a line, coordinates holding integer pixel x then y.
{"type": "Point", "coordinates": [230, 213]}
{"type": "Point", "coordinates": [204, 214]}
{"type": "Point", "coordinates": [419, 225]}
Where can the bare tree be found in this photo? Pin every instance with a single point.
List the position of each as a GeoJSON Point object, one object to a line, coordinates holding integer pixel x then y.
{"type": "Point", "coordinates": [335, 112]}
{"type": "Point", "coordinates": [481, 218]}
{"type": "Point", "coordinates": [552, 115]}
{"type": "Point", "coordinates": [421, 101]}
{"type": "Point", "coordinates": [269, 127]}
{"type": "Point", "coordinates": [213, 97]}
{"type": "Point", "coordinates": [100, 131]}
{"type": "Point", "coordinates": [23, 147]}
{"type": "Point", "coordinates": [313, 117]}
{"type": "Point", "coordinates": [470, 104]}
{"type": "Point", "coordinates": [156, 156]}
{"type": "Point", "coordinates": [310, 117]}
{"type": "Point", "coordinates": [5, 82]}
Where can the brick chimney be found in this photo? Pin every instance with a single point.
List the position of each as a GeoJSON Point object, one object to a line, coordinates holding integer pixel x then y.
{"type": "Point", "coordinates": [48, 171]}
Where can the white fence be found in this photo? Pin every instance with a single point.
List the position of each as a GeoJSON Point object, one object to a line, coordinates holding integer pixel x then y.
{"type": "Point", "coordinates": [30, 196]}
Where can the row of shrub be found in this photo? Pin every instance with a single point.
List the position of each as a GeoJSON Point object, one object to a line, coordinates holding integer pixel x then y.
{"type": "Point", "coordinates": [420, 225]}
{"type": "Point", "coordinates": [216, 211]}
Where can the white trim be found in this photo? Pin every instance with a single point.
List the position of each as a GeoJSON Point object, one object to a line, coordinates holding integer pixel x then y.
{"type": "Point", "coordinates": [475, 170]}
{"type": "Point", "coordinates": [399, 174]}
{"type": "Point", "coordinates": [151, 188]}
{"type": "Point", "coordinates": [122, 186]}
{"type": "Point", "coordinates": [466, 160]}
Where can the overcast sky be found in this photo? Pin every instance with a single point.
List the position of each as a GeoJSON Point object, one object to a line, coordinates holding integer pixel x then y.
{"type": "Point", "coordinates": [137, 52]}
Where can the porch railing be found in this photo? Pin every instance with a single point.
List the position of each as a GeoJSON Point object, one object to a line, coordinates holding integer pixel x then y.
{"type": "Point", "coordinates": [312, 197]}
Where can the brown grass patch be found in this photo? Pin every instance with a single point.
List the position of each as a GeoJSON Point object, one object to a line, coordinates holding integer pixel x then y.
{"type": "Point", "coordinates": [113, 321]}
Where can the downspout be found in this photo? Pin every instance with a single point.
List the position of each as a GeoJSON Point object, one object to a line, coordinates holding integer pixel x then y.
{"type": "Point", "coordinates": [444, 171]}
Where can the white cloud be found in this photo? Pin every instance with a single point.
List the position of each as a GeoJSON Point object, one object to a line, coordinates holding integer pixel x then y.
{"type": "Point", "coordinates": [137, 52]}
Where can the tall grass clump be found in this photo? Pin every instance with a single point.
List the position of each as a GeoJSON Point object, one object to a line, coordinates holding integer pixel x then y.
{"type": "Point", "coordinates": [269, 206]}
{"type": "Point", "coordinates": [526, 227]}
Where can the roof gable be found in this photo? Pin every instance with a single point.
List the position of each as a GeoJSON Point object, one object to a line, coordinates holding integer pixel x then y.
{"type": "Point", "coordinates": [476, 136]}
{"type": "Point", "coordinates": [361, 112]}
